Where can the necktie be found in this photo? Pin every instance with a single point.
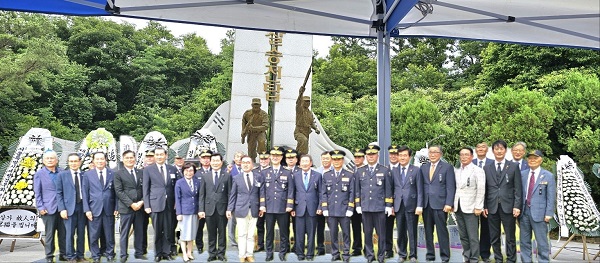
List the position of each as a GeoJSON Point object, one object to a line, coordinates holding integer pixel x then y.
{"type": "Point", "coordinates": [101, 179]}
{"type": "Point", "coordinates": [431, 172]}
{"type": "Point", "coordinates": [276, 171]}
{"type": "Point", "coordinates": [133, 174]}
{"type": "Point", "coordinates": [480, 164]}
{"type": "Point", "coordinates": [191, 185]}
{"type": "Point", "coordinates": [216, 180]}
{"type": "Point", "coordinates": [305, 181]}
{"type": "Point", "coordinates": [337, 174]}
{"type": "Point", "coordinates": [371, 170]}
{"type": "Point", "coordinates": [519, 165]}
{"type": "Point", "coordinates": [77, 194]}
{"type": "Point", "coordinates": [248, 182]}
{"type": "Point", "coordinates": [162, 171]}
{"type": "Point", "coordinates": [530, 188]}
{"type": "Point", "coordinates": [403, 174]}
{"type": "Point", "coordinates": [499, 168]}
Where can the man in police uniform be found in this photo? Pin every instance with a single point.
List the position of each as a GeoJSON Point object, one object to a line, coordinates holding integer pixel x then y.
{"type": "Point", "coordinates": [278, 202]}
{"type": "Point", "coordinates": [291, 161]}
{"type": "Point", "coordinates": [374, 201]}
{"type": "Point", "coordinates": [204, 168]}
{"type": "Point", "coordinates": [263, 164]}
{"type": "Point", "coordinates": [338, 204]}
{"type": "Point", "coordinates": [389, 221]}
{"type": "Point", "coordinates": [356, 219]}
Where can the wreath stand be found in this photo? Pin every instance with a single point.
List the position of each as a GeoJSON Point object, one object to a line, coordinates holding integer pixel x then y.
{"type": "Point", "coordinates": [585, 249]}
{"type": "Point", "coordinates": [14, 242]}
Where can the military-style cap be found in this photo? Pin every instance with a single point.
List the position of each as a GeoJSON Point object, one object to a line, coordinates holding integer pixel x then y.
{"type": "Point", "coordinates": [263, 155]}
{"type": "Point", "coordinates": [256, 101]}
{"type": "Point", "coordinates": [337, 154]}
{"type": "Point", "coordinates": [291, 153]}
{"type": "Point", "coordinates": [537, 153]}
{"type": "Point", "coordinates": [359, 152]}
{"type": "Point", "coordinates": [305, 97]}
{"type": "Point", "coordinates": [372, 149]}
{"type": "Point", "coordinates": [277, 150]}
{"type": "Point", "coordinates": [150, 153]}
{"type": "Point", "coordinates": [393, 148]}
{"type": "Point", "coordinates": [206, 153]}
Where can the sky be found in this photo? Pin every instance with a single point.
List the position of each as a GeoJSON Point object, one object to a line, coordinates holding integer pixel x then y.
{"type": "Point", "coordinates": [213, 35]}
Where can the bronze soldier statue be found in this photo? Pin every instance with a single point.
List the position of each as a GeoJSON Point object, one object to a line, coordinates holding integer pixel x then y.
{"type": "Point", "coordinates": [305, 121]}
{"type": "Point", "coordinates": [255, 123]}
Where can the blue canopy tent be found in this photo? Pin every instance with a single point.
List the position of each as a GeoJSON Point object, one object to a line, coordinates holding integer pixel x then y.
{"type": "Point", "coordinates": [574, 23]}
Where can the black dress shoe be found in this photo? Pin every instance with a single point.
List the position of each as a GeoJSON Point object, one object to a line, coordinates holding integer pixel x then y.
{"type": "Point", "coordinates": [62, 258]}
{"type": "Point", "coordinates": [259, 249]}
{"type": "Point", "coordinates": [335, 258]}
{"type": "Point", "coordinates": [301, 258]}
{"type": "Point", "coordinates": [173, 254]}
{"type": "Point", "coordinates": [123, 259]}
{"type": "Point", "coordinates": [110, 259]}
{"type": "Point", "coordinates": [356, 253]}
{"type": "Point", "coordinates": [168, 257]}
{"type": "Point", "coordinates": [157, 258]}
{"type": "Point", "coordinates": [282, 257]}
{"type": "Point", "coordinates": [221, 258]}
{"type": "Point", "coordinates": [142, 257]}
{"type": "Point", "coordinates": [269, 257]}
{"type": "Point", "coordinates": [310, 258]}
{"type": "Point", "coordinates": [211, 258]}
{"type": "Point", "coordinates": [321, 253]}
{"type": "Point", "coordinates": [49, 260]}
{"type": "Point", "coordinates": [389, 254]}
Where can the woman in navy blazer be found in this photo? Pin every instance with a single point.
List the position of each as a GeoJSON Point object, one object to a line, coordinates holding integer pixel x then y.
{"type": "Point", "coordinates": [186, 208]}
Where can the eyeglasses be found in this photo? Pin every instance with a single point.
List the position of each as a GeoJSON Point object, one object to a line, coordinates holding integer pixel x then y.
{"type": "Point", "coordinates": [435, 152]}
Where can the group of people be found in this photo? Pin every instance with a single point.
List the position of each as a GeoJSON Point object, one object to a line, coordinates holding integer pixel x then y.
{"type": "Point", "coordinates": [286, 189]}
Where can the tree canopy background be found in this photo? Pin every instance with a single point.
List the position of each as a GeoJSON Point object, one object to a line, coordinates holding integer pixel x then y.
{"type": "Point", "coordinates": [73, 74]}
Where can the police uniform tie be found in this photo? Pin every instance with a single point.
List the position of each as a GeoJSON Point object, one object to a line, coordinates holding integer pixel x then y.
{"type": "Point", "coordinates": [77, 191]}
{"type": "Point", "coordinates": [101, 179]}
{"type": "Point", "coordinates": [431, 171]}
{"type": "Point", "coordinates": [403, 175]}
{"type": "Point", "coordinates": [371, 170]}
{"type": "Point", "coordinates": [337, 174]}
{"type": "Point", "coordinates": [530, 188]}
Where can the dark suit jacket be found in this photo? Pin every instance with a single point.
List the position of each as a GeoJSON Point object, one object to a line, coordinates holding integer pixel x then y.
{"type": "Point", "coordinates": [505, 188]}
{"type": "Point", "coordinates": [410, 191]}
{"type": "Point", "coordinates": [439, 191]}
{"type": "Point", "coordinates": [186, 200]}
{"type": "Point", "coordinates": [523, 165]}
{"type": "Point", "coordinates": [65, 191]}
{"type": "Point", "coordinates": [241, 200]}
{"type": "Point", "coordinates": [306, 200]}
{"type": "Point", "coordinates": [215, 199]}
{"type": "Point", "coordinates": [128, 189]}
{"type": "Point", "coordinates": [157, 193]}
{"type": "Point", "coordinates": [96, 196]}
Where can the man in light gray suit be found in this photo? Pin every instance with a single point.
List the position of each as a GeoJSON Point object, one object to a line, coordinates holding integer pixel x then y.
{"type": "Point", "coordinates": [539, 190]}
{"type": "Point", "coordinates": [468, 203]}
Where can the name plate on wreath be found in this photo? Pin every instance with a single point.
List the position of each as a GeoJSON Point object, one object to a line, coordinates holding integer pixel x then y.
{"type": "Point", "coordinates": [18, 222]}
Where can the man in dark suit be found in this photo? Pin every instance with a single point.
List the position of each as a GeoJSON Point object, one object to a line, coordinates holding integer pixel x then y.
{"type": "Point", "coordinates": [204, 168]}
{"type": "Point", "coordinates": [390, 220]}
{"type": "Point", "coordinates": [374, 201]}
{"type": "Point", "coordinates": [244, 205]}
{"type": "Point", "coordinates": [305, 187]}
{"type": "Point", "coordinates": [159, 201]}
{"type": "Point", "coordinates": [408, 203]}
{"type": "Point", "coordinates": [214, 196]}
{"type": "Point", "coordinates": [100, 206]}
{"type": "Point", "coordinates": [439, 188]}
{"type": "Point", "coordinates": [503, 201]}
{"type": "Point", "coordinates": [128, 188]}
{"type": "Point", "coordinates": [278, 202]}
{"type": "Point", "coordinates": [337, 202]}
{"type": "Point", "coordinates": [70, 205]}
{"type": "Point", "coordinates": [356, 219]}
{"type": "Point", "coordinates": [518, 152]}
{"type": "Point", "coordinates": [44, 187]}
{"type": "Point", "coordinates": [484, 232]}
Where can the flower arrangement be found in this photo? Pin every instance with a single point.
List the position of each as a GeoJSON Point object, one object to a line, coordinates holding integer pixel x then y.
{"type": "Point", "coordinates": [99, 140]}
{"type": "Point", "coordinates": [575, 208]}
{"type": "Point", "coordinates": [20, 182]}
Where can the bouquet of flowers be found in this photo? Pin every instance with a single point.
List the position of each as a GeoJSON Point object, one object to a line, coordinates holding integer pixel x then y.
{"type": "Point", "coordinates": [20, 181]}
{"type": "Point", "coordinates": [575, 208]}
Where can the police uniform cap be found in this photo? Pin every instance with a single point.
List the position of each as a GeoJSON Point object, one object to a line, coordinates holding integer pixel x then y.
{"type": "Point", "coordinates": [337, 154]}
{"type": "Point", "coordinates": [263, 155]}
{"type": "Point", "coordinates": [291, 153]}
{"type": "Point", "coordinates": [359, 152]}
{"type": "Point", "coordinates": [276, 150]}
{"type": "Point", "coordinates": [393, 148]}
{"type": "Point", "coordinates": [372, 149]}
{"type": "Point", "coordinates": [206, 153]}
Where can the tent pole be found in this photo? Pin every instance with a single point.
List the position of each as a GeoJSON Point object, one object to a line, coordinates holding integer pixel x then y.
{"type": "Point", "coordinates": [383, 95]}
